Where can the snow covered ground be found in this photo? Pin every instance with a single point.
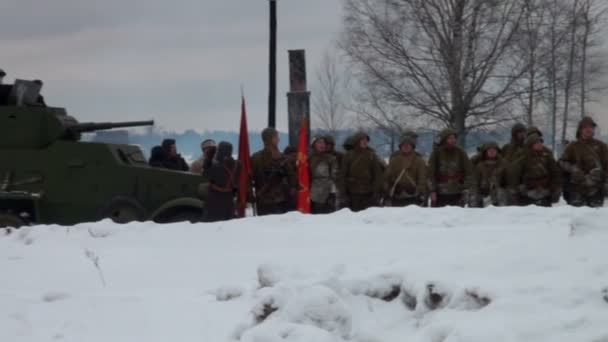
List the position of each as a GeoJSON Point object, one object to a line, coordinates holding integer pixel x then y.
{"type": "Point", "coordinates": [384, 275]}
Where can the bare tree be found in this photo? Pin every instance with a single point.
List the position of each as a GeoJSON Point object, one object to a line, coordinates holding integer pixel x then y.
{"type": "Point", "coordinates": [331, 94]}
{"type": "Point", "coordinates": [592, 17]}
{"type": "Point", "coordinates": [445, 60]}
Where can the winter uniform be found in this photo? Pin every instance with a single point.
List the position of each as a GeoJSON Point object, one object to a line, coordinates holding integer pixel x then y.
{"type": "Point", "coordinates": [360, 177]}
{"type": "Point", "coordinates": [586, 163]}
{"type": "Point", "coordinates": [450, 173]}
{"type": "Point", "coordinates": [406, 177]}
{"type": "Point", "coordinates": [157, 157]}
{"type": "Point", "coordinates": [535, 177]}
{"type": "Point", "coordinates": [331, 148]}
{"type": "Point", "coordinates": [209, 148]}
{"type": "Point", "coordinates": [323, 174]}
{"type": "Point", "coordinates": [223, 178]}
{"type": "Point", "coordinates": [272, 174]}
{"type": "Point", "coordinates": [173, 162]}
{"type": "Point", "coordinates": [486, 189]}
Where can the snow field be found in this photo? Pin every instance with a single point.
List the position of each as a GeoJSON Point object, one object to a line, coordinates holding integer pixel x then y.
{"type": "Point", "coordinates": [412, 274]}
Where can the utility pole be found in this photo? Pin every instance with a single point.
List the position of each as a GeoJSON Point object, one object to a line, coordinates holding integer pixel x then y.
{"type": "Point", "coordinates": [272, 70]}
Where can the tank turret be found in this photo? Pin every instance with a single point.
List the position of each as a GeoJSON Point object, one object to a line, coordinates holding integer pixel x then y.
{"type": "Point", "coordinates": [26, 122]}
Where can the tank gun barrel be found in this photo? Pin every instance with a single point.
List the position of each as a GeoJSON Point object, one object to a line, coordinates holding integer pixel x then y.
{"type": "Point", "coordinates": [98, 126]}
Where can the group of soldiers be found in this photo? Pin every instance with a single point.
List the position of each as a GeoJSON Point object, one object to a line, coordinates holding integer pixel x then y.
{"type": "Point", "coordinates": [520, 173]}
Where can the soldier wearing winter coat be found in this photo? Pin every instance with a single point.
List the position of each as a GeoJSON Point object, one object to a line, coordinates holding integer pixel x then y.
{"type": "Point", "coordinates": [330, 143]}
{"type": "Point", "coordinates": [272, 174]}
{"type": "Point", "coordinates": [586, 163]}
{"type": "Point", "coordinates": [535, 177]}
{"type": "Point", "coordinates": [323, 174]}
{"type": "Point", "coordinates": [486, 189]}
{"type": "Point", "coordinates": [405, 179]}
{"type": "Point", "coordinates": [450, 172]}
{"type": "Point", "coordinates": [173, 160]}
{"type": "Point", "coordinates": [223, 176]}
{"type": "Point", "coordinates": [208, 149]}
{"type": "Point", "coordinates": [516, 145]}
{"type": "Point", "coordinates": [360, 176]}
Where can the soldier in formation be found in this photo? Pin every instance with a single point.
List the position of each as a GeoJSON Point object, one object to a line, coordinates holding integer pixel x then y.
{"type": "Point", "coordinates": [535, 177]}
{"type": "Point", "coordinates": [360, 176]}
{"type": "Point", "coordinates": [585, 161]}
{"type": "Point", "coordinates": [450, 172]}
{"type": "Point", "coordinates": [405, 179]}
{"type": "Point", "coordinates": [222, 175]}
{"type": "Point", "coordinates": [486, 185]}
{"type": "Point", "coordinates": [274, 178]}
{"type": "Point", "coordinates": [323, 175]}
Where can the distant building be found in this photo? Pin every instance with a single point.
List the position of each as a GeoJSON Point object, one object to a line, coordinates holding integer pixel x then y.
{"type": "Point", "coordinates": [112, 137]}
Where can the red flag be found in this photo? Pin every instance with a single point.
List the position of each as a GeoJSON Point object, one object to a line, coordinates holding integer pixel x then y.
{"type": "Point", "coordinates": [303, 175]}
{"type": "Point", "coordinates": [245, 162]}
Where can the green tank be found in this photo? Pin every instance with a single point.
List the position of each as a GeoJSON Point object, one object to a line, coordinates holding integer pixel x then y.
{"type": "Point", "coordinates": [49, 176]}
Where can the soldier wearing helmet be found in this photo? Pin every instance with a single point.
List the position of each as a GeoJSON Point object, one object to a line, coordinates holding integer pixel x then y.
{"type": "Point", "coordinates": [585, 161]}
{"type": "Point", "coordinates": [405, 179]}
{"type": "Point", "coordinates": [535, 177]}
{"type": "Point", "coordinates": [323, 176]}
{"type": "Point", "coordinates": [272, 174]}
{"type": "Point", "coordinates": [486, 187]}
{"type": "Point", "coordinates": [360, 175]}
{"type": "Point", "coordinates": [450, 172]}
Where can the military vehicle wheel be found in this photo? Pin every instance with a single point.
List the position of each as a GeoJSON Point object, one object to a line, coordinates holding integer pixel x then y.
{"type": "Point", "coordinates": [9, 222]}
{"type": "Point", "coordinates": [123, 210]}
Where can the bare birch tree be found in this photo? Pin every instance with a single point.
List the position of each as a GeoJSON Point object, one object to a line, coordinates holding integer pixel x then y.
{"type": "Point", "coordinates": [445, 60]}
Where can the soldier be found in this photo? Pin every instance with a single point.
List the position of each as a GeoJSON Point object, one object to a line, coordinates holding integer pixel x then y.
{"type": "Point", "coordinates": [331, 148]}
{"type": "Point", "coordinates": [323, 174]}
{"type": "Point", "coordinates": [535, 177]}
{"type": "Point", "coordinates": [485, 190]}
{"type": "Point", "coordinates": [406, 175]}
{"type": "Point", "coordinates": [516, 145]}
{"type": "Point", "coordinates": [586, 162]}
{"type": "Point", "coordinates": [173, 160]}
{"type": "Point", "coordinates": [223, 176]}
{"type": "Point", "coordinates": [272, 174]}
{"type": "Point", "coordinates": [157, 157]}
{"type": "Point", "coordinates": [360, 176]}
{"type": "Point", "coordinates": [450, 172]}
{"type": "Point", "coordinates": [208, 148]}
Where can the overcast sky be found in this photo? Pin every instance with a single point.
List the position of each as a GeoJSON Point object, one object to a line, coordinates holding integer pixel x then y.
{"type": "Point", "coordinates": [179, 62]}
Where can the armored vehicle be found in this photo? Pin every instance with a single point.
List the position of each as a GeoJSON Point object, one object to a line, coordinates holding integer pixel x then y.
{"type": "Point", "coordinates": [49, 176]}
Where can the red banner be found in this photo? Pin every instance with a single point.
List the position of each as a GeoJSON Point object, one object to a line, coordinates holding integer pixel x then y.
{"type": "Point", "coordinates": [244, 177]}
{"type": "Point", "coordinates": [303, 173]}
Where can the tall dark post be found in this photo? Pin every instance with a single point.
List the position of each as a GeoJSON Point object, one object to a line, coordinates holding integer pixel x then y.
{"type": "Point", "coordinates": [272, 71]}
{"type": "Point", "coordinates": [298, 98]}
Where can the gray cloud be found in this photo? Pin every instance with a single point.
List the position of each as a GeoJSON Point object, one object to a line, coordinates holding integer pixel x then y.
{"type": "Point", "coordinates": [181, 62]}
